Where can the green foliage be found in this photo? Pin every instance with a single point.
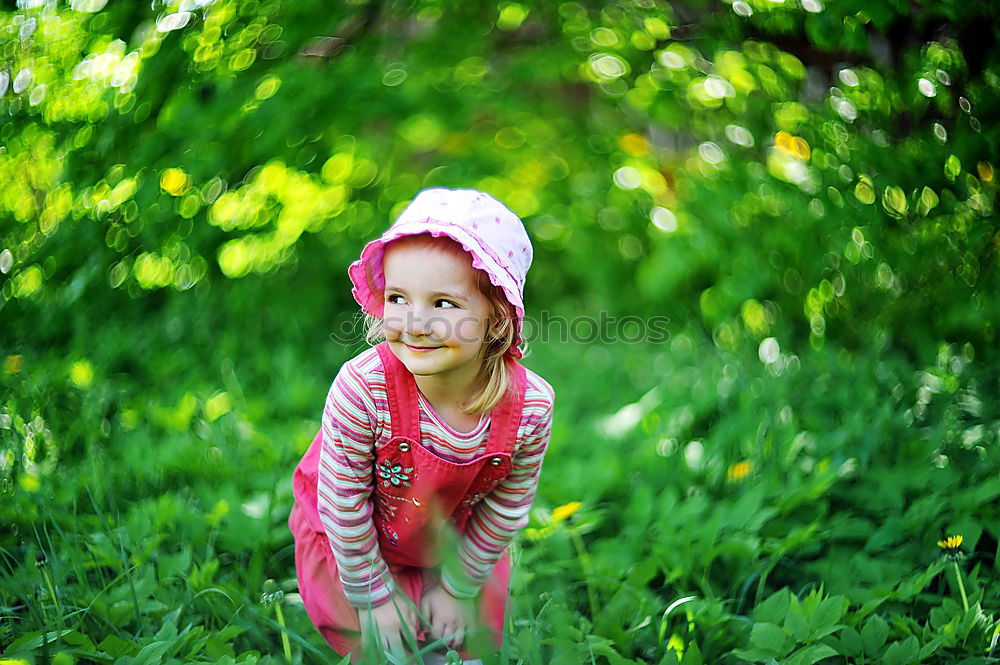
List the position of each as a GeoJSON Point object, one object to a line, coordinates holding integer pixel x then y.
{"type": "Point", "coordinates": [807, 190]}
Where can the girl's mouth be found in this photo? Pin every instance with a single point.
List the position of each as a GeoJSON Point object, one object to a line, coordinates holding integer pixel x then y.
{"type": "Point", "coordinates": [421, 349]}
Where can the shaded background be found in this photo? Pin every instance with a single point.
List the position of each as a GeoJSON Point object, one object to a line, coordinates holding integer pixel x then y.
{"type": "Point", "coordinates": [806, 190]}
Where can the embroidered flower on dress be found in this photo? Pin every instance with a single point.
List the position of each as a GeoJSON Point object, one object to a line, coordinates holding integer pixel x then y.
{"type": "Point", "coordinates": [394, 474]}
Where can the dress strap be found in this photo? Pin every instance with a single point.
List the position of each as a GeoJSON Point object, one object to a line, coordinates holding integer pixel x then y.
{"type": "Point", "coordinates": [401, 391]}
{"type": "Point", "coordinates": [506, 415]}
{"type": "Point", "coordinates": [404, 407]}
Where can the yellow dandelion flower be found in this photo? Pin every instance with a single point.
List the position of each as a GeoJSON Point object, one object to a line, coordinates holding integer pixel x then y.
{"type": "Point", "coordinates": [950, 544]}
{"type": "Point", "coordinates": [565, 511]}
{"type": "Point", "coordinates": [739, 471]}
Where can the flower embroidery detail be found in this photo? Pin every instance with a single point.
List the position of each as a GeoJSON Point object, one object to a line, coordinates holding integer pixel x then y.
{"type": "Point", "coordinates": [384, 508]}
{"type": "Point", "coordinates": [394, 474]}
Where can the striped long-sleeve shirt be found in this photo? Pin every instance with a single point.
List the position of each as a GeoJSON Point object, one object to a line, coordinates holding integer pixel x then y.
{"type": "Point", "coordinates": [356, 423]}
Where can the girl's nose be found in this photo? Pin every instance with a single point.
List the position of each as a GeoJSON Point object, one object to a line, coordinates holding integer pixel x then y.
{"type": "Point", "coordinates": [427, 323]}
{"type": "Point", "coordinates": [418, 322]}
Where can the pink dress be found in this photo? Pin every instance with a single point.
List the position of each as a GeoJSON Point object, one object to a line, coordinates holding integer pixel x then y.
{"type": "Point", "coordinates": [415, 492]}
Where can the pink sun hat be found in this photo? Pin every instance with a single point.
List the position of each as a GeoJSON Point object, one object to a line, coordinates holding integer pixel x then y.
{"type": "Point", "coordinates": [484, 227]}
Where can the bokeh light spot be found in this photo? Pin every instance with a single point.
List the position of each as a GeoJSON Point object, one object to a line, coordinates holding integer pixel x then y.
{"type": "Point", "coordinates": [864, 191]}
{"type": "Point", "coordinates": [711, 153]}
{"type": "Point", "coordinates": [741, 136]}
{"type": "Point", "coordinates": [267, 87]}
{"type": "Point", "coordinates": [607, 67]}
{"type": "Point", "coordinates": [81, 373]}
{"type": "Point", "coordinates": [769, 350]}
{"type": "Point", "coordinates": [627, 178]}
{"type": "Point", "coordinates": [174, 181]}
{"type": "Point", "coordinates": [87, 6]}
{"type": "Point", "coordinates": [663, 219]}
{"type": "Point", "coordinates": [512, 16]}
{"type": "Point", "coordinates": [174, 21]}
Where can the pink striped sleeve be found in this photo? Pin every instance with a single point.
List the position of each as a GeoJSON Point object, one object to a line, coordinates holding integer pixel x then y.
{"type": "Point", "coordinates": [504, 511]}
{"type": "Point", "coordinates": [345, 485]}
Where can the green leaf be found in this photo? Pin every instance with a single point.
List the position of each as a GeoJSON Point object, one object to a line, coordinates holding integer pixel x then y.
{"type": "Point", "coordinates": [117, 647]}
{"type": "Point", "coordinates": [927, 650]}
{"type": "Point", "coordinates": [669, 658]}
{"type": "Point", "coordinates": [873, 635]}
{"type": "Point", "coordinates": [810, 654]}
{"type": "Point", "coordinates": [174, 564]}
{"type": "Point", "coordinates": [774, 609]}
{"type": "Point", "coordinates": [811, 602]}
{"type": "Point", "coordinates": [34, 640]}
{"type": "Point", "coordinates": [797, 626]}
{"type": "Point", "coordinates": [902, 653]}
{"type": "Point", "coordinates": [78, 639]}
{"type": "Point", "coordinates": [850, 642]}
{"type": "Point", "coordinates": [230, 631]}
{"type": "Point", "coordinates": [768, 637]}
{"type": "Point", "coordinates": [828, 613]}
{"type": "Point", "coordinates": [167, 632]}
{"type": "Point", "coordinates": [754, 655]}
{"type": "Point", "coordinates": [151, 654]}
{"type": "Point", "coordinates": [248, 658]}
{"type": "Point", "coordinates": [692, 655]}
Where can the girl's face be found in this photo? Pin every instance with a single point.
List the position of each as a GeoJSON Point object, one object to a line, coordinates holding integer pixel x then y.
{"type": "Point", "coordinates": [435, 315]}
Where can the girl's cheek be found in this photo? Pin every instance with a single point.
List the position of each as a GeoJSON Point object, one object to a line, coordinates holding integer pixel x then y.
{"type": "Point", "coordinates": [469, 330]}
{"type": "Point", "coordinates": [392, 322]}
{"type": "Point", "coordinates": [441, 328]}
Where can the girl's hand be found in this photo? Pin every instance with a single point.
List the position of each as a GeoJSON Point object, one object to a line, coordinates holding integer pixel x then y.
{"type": "Point", "coordinates": [389, 623]}
{"type": "Point", "coordinates": [449, 617]}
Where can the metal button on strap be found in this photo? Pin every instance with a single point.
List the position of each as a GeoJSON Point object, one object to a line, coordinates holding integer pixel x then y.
{"type": "Point", "coordinates": [495, 461]}
{"type": "Point", "coordinates": [403, 447]}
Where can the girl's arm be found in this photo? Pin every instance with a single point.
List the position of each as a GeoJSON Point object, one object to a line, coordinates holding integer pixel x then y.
{"type": "Point", "coordinates": [345, 484]}
{"type": "Point", "coordinates": [504, 511]}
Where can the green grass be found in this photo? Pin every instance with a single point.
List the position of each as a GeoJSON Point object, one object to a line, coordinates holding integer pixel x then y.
{"type": "Point", "coordinates": [729, 512]}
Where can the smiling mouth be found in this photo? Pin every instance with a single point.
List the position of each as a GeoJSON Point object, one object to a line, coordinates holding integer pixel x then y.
{"type": "Point", "coordinates": [423, 348]}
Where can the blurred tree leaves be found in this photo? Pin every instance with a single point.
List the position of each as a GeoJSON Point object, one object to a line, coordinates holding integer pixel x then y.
{"type": "Point", "coordinates": [829, 161]}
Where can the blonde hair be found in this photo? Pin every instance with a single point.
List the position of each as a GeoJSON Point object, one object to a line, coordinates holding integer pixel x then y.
{"type": "Point", "coordinates": [494, 376]}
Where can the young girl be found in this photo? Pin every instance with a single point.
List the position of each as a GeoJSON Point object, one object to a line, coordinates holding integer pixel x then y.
{"type": "Point", "coordinates": [438, 425]}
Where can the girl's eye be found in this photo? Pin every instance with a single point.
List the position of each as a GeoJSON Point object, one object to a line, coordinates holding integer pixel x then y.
{"type": "Point", "coordinates": [391, 298]}
{"type": "Point", "coordinates": [448, 303]}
